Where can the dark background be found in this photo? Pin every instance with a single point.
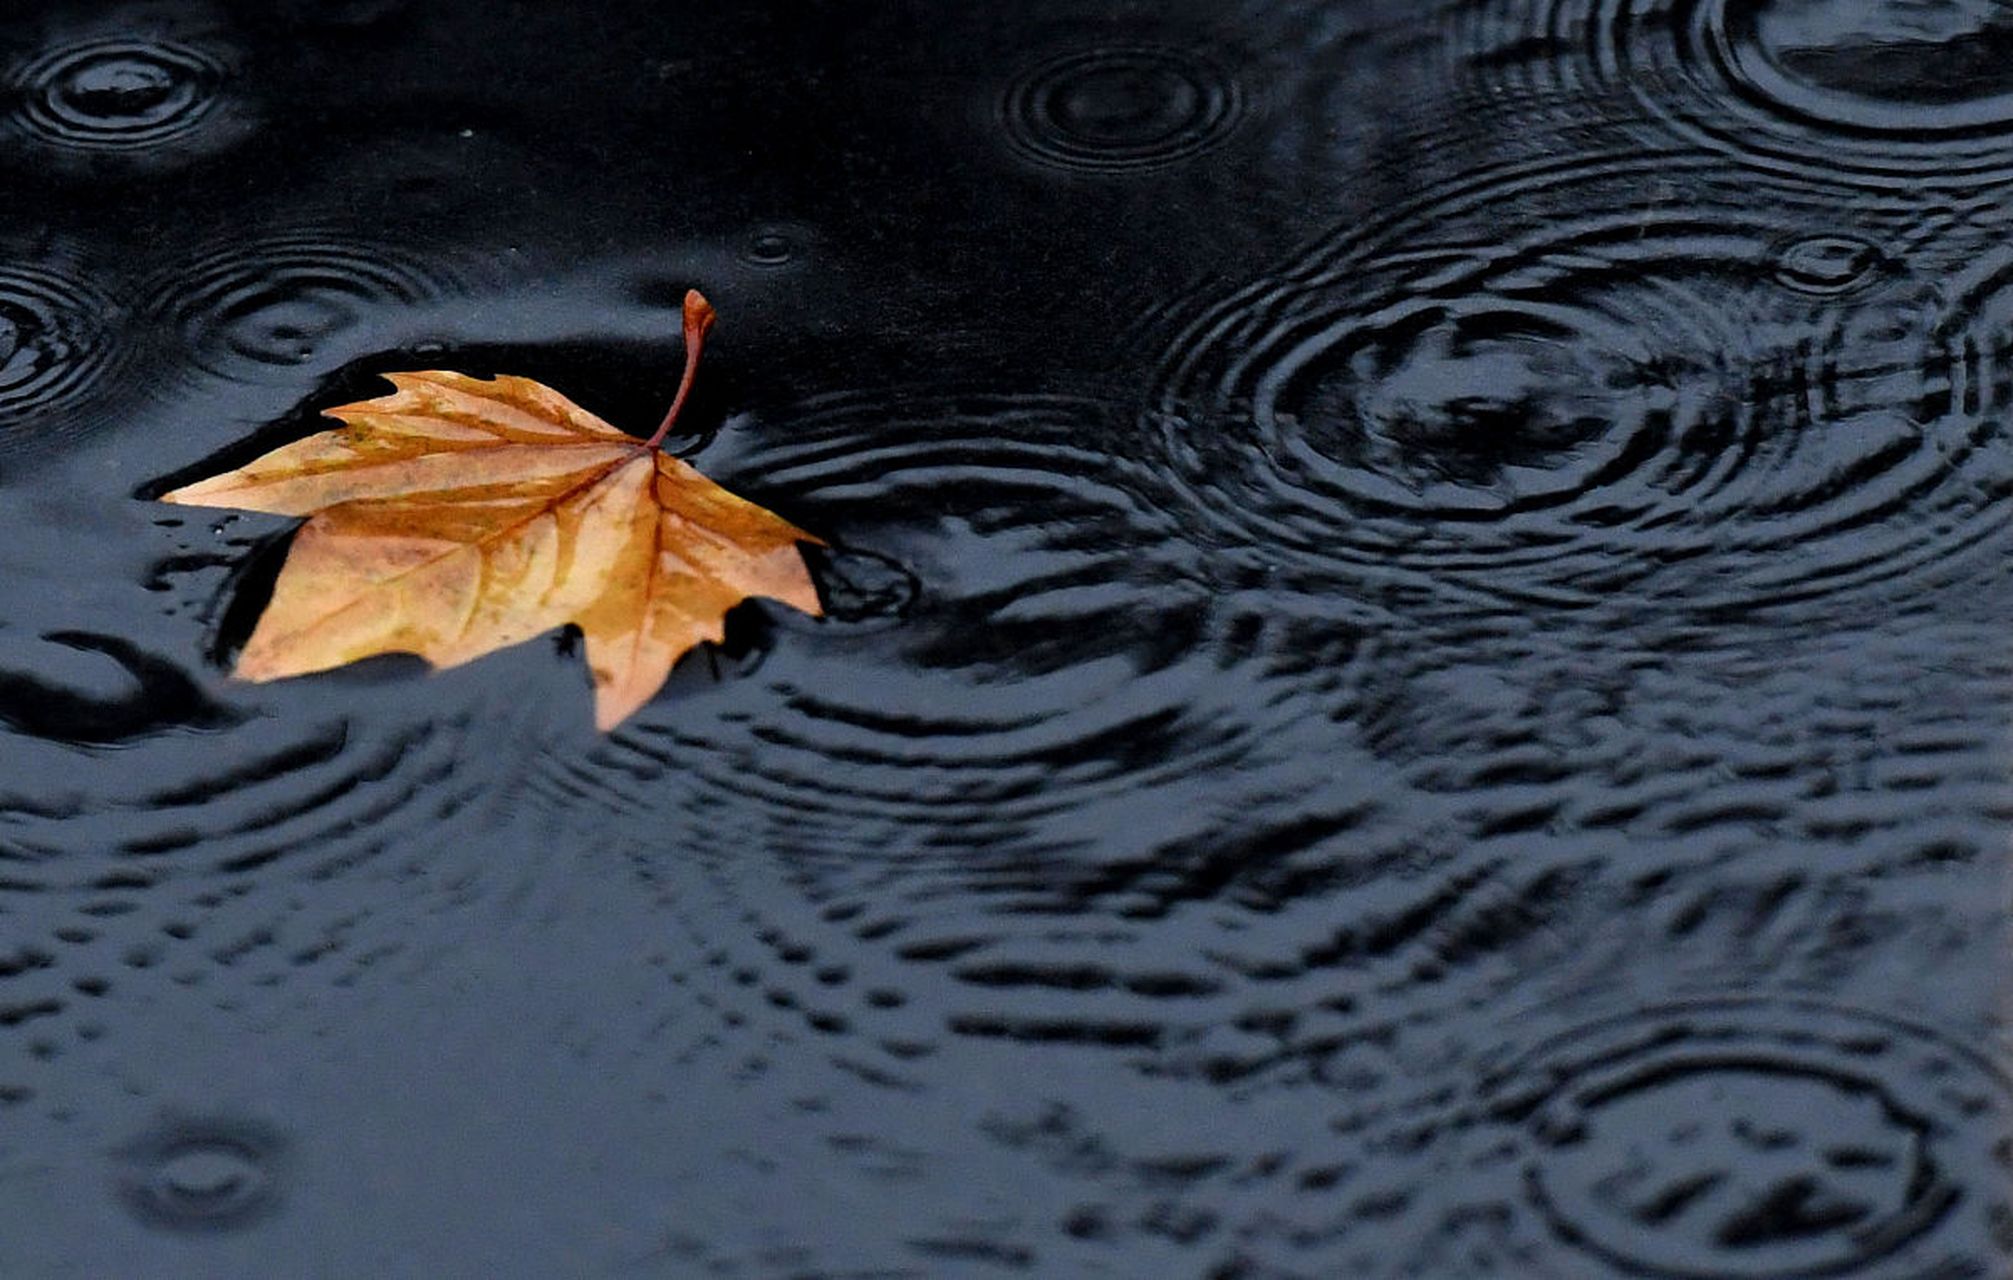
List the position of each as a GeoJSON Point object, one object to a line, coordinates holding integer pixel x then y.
{"type": "Point", "coordinates": [1415, 680]}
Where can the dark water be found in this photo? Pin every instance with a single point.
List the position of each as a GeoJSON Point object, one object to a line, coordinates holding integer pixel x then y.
{"type": "Point", "coordinates": [1416, 677]}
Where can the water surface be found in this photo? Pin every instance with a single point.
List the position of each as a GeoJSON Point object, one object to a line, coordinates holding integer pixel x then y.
{"type": "Point", "coordinates": [1414, 684]}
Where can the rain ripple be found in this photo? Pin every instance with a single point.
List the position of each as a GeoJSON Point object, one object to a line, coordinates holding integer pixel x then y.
{"type": "Point", "coordinates": [1658, 391]}
{"type": "Point", "coordinates": [161, 829]}
{"type": "Point", "coordinates": [1891, 95]}
{"type": "Point", "coordinates": [60, 342]}
{"type": "Point", "coordinates": [269, 309]}
{"type": "Point", "coordinates": [1076, 754]}
{"type": "Point", "coordinates": [313, 797]}
{"type": "Point", "coordinates": [1041, 663]}
{"type": "Point", "coordinates": [138, 89]}
{"type": "Point", "coordinates": [1121, 108]}
{"type": "Point", "coordinates": [203, 1175]}
{"type": "Point", "coordinates": [1757, 1139]}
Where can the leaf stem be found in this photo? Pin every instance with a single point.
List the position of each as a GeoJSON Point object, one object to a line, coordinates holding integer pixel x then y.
{"type": "Point", "coordinates": [699, 317]}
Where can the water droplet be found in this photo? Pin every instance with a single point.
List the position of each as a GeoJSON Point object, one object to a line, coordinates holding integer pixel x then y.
{"type": "Point", "coordinates": [859, 587]}
{"type": "Point", "coordinates": [111, 88]}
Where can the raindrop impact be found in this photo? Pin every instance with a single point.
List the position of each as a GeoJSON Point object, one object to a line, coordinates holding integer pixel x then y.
{"type": "Point", "coordinates": [1824, 266]}
{"type": "Point", "coordinates": [56, 347]}
{"type": "Point", "coordinates": [1121, 109]}
{"type": "Point", "coordinates": [770, 249]}
{"type": "Point", "coordinates": [1889, 93]}
{"type": "Point", "coordinates": [119, 93]}
{"type": "Point", "coordinates": [1586, 402]}
{"type": "Point", "coordinates": [1753, 1140]}
{"type": "Point", "coordinates": [265, 311]}
{"type": "Point", "coordinates": [203, 1176]}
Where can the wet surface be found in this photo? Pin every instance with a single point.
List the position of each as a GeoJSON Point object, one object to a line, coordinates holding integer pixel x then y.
{"type": "Point", "coordinates": [1415, 680]}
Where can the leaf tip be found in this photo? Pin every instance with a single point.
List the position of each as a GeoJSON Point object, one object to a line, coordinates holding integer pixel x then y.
{"type": "Point", "coordinates": [699, 313]}
{"type": "Point", "coordinates": [200, 494]}
{"type": "Point", "coordinates": [614, 703]}
{"type": "Point", "coordinates": [255, 668]}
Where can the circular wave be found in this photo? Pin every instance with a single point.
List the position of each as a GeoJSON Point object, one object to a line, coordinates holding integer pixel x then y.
{"type": "Point", "coordinates": [137, 775]}
{"type": "Point", "coordinates": [1754, 1139]}
{"type": "Point", "coordinates": [121, 94]}
{"type": "Point", "coordinates": [1053, 623]}
{"type": "Point", "coordinates": [267, 310]}
{"type": "Point", "coordinates": [222, 798]}
{"type": "Point", "coordinates": [1969, 348]}
{"type": "Point", "coordinates": [203, 1176]}
{"type": "Point", "coordinates": [1523, 726]}
{"type": "Point", "coordinates": [58, 344]}
{"type": "Point", "coordinates": [1036, 704]}
{"type": "Point", "coordinates": [1888, 93]}
{"type": "Point", "coordinates": [1826, 266]}
{"type": "Point", "coordinates": [774, 247]}
{"type": "Point", "coordinates": [1553, 385]}
{"type": "Point", "coordinates": [1121, 109]}
{"type": "Point", "coordinates": [247, 856]}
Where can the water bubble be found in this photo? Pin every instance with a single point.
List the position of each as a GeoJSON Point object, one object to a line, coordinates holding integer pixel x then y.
{"type": "Point", "coordinates": [1121, 108]}
{"type": "Point", "coordinates": [203, 1176]}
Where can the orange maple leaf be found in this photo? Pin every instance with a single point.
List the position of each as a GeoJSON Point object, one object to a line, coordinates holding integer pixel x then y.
{"type": "Point", "coordinates": [461, 515]}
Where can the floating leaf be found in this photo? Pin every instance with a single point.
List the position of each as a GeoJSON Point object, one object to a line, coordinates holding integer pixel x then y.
{"type": "Point", "coordinates": [461, 515]}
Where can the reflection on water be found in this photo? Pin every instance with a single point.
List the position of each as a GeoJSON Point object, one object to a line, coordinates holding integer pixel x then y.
{"type": "Point", "coordinates": [1413, 681]}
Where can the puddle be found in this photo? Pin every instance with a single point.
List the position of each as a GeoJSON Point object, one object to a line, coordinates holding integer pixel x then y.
{"type": "Point", "coordinates": [1413, 678]}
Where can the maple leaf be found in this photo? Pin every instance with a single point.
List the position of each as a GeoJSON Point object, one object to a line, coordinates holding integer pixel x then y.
{"type": "Point", "coordinates": [461, 515]}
